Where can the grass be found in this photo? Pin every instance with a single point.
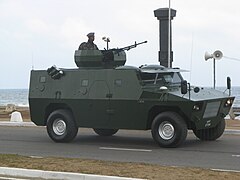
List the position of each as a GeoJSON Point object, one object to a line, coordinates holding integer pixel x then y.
{"type": "Point", "coordinates": [136, 170]}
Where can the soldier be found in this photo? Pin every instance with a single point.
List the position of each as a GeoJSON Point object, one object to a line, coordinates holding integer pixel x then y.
{"type": "Point", "coordinates": [88, 45]}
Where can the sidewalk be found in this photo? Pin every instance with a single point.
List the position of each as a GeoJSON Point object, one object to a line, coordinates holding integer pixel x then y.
{"type": "Point", "coordinates": [30, 173]}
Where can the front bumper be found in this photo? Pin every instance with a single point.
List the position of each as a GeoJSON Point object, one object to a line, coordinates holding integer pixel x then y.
{"type": "Point", "coordinates": [209, 113]}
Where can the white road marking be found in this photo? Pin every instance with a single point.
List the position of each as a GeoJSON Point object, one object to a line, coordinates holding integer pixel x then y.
{"type": "Point", "coordinates": [225, 170]}
{"type": "Point", "coordinates": [235, 155]}
{"type": "Point", "coordinates": [125, 149]}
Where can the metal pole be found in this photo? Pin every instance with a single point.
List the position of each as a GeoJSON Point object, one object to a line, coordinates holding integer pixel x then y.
{"type": "Point", "coordinates": [159, 41]}
{"type": "Point", "coordinates": [169, 35]}
{"type": "Point", "coordinates": [214, 78]}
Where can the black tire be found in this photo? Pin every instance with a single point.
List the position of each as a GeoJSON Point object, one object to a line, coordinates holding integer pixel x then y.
{"type": "Point", "coordinates": [169, 129]}
{"type": "Point", "coordinates": [105, 132]}
{"type": "Point", "coordinates": [61, 126]}
{"type": "Point", "coordinates": [211, 134]}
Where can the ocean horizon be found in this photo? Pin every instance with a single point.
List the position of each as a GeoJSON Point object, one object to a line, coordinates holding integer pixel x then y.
{"type": "Point", "coordinates": [19, 97]}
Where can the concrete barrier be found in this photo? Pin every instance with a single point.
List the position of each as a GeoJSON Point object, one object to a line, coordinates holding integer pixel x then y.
{"type": "Point", "coordinates": [16, 117]}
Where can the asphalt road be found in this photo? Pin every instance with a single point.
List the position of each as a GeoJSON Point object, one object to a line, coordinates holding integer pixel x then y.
{"type": "Point", "coordinates": [127, 146]}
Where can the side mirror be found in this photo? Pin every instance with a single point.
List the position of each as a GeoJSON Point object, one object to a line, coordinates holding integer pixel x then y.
{"type": "Point", "coordinates": [228, 83]}
{"type": "Point", "coordinates": [184, 88]}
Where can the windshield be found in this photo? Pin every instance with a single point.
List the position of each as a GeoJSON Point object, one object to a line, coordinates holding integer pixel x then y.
{"type": "Point", "coordinates": [161, 78]}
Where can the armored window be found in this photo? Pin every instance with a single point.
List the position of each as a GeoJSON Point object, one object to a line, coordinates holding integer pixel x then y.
{"type": "Point", "coordinates": [118, 82]}
{"type": "Point", "coordinates": [161, 78]}
{"type": "Point", "coordinates": [42, 79]}
{"type": "Point", "coordinates": [174, 78]}
{"type": "Point", "coordinates": [85, 82]}
{"type": "Point", "coordinates": [148, 78]}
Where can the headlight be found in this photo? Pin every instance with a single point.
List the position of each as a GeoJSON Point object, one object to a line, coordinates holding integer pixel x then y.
{"type": "Point", "coordinates": [228, 103]}
{"type": "Point", "coordinates": [197, 107]}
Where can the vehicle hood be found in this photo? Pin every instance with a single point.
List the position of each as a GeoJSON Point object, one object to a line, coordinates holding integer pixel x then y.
{"type": "Point", "coordinates": [203, 94]}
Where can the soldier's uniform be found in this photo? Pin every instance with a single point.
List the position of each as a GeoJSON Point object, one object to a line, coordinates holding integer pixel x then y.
{"type": "Point", "coordinates": [88, 45]}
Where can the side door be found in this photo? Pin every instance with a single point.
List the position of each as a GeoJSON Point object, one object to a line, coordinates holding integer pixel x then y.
{"type": "Point", "coordinates": [125, 105]}
{"type": "Point", "coordinates": [98, 104]}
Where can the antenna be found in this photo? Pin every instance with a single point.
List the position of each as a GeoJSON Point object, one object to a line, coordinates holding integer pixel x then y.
{"type": "Point", "coordinates": [32, 62]}
{"type": "Point", "coordinates": [191, 60]}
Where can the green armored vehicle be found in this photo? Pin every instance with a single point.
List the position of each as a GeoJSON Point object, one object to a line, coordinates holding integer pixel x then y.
{"type": "Point", "coordinates": [106, 96]}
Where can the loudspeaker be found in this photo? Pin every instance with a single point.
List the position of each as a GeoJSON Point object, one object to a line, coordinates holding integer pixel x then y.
{"type": "Point", "coordinates": [217, 55]}
{"type": "Point", "coordinates": [207, 56]}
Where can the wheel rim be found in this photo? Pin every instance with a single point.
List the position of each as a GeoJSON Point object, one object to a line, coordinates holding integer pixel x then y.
{"type": "Point", "coordinates": [59, 127]}
{"type": "Point", "coordinates": [166, 130]}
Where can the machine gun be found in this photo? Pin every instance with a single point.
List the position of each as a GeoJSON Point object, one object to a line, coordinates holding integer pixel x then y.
{"type": "Point", "coordinates": [127, 48]}
{"type": "Point", "coordinates": [108, 55]}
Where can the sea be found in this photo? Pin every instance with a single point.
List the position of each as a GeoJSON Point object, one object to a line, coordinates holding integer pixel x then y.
{"type": "Point", "coordinates": [19, 97]}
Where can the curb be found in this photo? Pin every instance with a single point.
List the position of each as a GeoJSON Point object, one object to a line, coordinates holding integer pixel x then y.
{"type": "Point", "coordinates": [232, 131]}
{"type": "Point", "coordinates": [23, 124]}
{"type": "Point", "coordinates": [30, 173]}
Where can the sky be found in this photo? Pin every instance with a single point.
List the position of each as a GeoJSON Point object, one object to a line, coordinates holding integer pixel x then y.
{"type": "Point", "coordinates": [36, 34]}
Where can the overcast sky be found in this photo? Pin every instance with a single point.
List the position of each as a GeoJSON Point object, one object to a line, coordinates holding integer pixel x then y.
{"type": "Point", "coordinates": [41, 33]}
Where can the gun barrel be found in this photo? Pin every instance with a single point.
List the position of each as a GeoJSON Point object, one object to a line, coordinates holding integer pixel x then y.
{"type": "Point", "coordinates": [142, 42]}
{"type": "Point", "coordinates": [133, 46]}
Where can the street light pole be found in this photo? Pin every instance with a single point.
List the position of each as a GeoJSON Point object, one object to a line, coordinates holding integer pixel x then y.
{"type": "Point", "coordinates": [214, 73]}
{"type": "Point", "coordinates": [169, 34]}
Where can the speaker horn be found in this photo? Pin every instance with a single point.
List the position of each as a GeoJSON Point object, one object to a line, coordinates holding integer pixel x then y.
{"type": "Point", "coordinates": [208, 56]}
{"type": "Point", "coordinates": [217, 55]}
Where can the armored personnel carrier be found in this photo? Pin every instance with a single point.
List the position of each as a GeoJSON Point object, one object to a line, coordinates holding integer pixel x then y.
{"type": "Point", "coordinates": [105, 95]}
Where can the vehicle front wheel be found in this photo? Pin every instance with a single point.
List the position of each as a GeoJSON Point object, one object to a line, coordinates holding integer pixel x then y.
{"type": "Point", "coordinates": [105, 132]}
{"type": "Point", "coordinates": [169, 129]}
{"type": "Point", "coordinates": [61, 126]}
{"type": "Point", "coordinates": [211, 134]}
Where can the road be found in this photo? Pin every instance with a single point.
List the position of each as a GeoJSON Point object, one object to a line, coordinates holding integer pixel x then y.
{"type": "Point", "coordinates": [127, 146]}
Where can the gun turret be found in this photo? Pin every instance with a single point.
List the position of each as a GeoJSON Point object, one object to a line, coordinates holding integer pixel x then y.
{"type": "Point", "coordinates": [103, 58]}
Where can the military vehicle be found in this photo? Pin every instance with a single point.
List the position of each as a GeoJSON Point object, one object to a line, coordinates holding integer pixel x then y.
{"type": "Point", "coordinates": [104, 94]}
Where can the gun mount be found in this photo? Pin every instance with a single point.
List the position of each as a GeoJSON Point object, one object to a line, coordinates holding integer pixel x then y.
{"type": "Point", "coordinates": [102, 58]}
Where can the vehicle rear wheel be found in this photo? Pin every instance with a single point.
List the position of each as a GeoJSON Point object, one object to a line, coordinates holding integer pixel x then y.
{"type": "Point", "coordinates": [169, 129]}
{"type": "Point", "coordinates": [105, 132]}
{"type": "Point", "coordinates": [211, 134]}
{"type": "Point", "coordinates": [61, 126]}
